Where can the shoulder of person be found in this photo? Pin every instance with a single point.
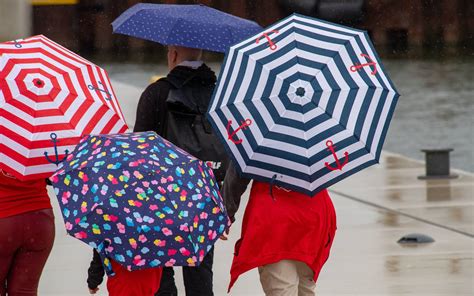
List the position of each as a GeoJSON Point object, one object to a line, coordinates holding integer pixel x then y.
{"type": "Point", "coordinates": [159, 85]}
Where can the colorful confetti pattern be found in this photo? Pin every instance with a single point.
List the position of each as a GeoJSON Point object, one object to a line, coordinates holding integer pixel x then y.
{"type": "Point", "coordinates": [140, 201]}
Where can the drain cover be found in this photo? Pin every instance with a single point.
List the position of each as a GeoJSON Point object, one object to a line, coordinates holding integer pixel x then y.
{"type": "Point", "coordinates": [415, 238]}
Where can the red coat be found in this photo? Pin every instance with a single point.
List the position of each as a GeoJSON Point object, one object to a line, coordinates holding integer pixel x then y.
{"type": "Point", "coordinates": [290, 226]}
{"type": "Point", "coordinates": [144, 282]}
{"type": "Point", "coordinates": [18, 197]}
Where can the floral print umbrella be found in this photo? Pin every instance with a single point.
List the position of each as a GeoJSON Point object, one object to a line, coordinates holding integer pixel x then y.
{"type": "Point", "coordinates": [140, 200]}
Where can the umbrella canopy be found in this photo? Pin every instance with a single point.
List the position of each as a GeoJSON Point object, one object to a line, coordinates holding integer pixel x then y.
{"type": "Point", "coordinates": [140, 201]}
{"type": "Point", "coordinates": [49, 98]}
{"type": "Point", "coordinates": [304, 104]}
{"type": "Point", "coordinates": [196, 26]}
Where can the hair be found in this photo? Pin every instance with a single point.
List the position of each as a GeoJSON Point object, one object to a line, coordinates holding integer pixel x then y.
{"type": "Point", "coordinates": [187, 53]}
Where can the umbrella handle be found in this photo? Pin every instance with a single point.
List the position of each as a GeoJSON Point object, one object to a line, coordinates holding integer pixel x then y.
{"type": "Point", "coordinates": [54, 137]}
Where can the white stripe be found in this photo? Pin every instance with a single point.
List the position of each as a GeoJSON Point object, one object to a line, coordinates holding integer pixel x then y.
{"type": "Point", "coordinates": [364, 41]}
{"type": "Point", "coordinates": [119, 124]}
{"type": "Point", "coordinates": [72, 74]}
{"type": "Point", "coordinates": [38, 152]}
{"type": "Point", "coordinates": [50, 46]}
{"type": "Point", "coordinates": [382, 121]}
{"type": "Point", "coordinates": [114, 102]}
{"type": "Point", "coordinates": [369, 118]}
{"type": "Point", "coordinates": [99, 126]}
{"type": "Point", "coordinates": [63, 50]}
{"type": "Point", "coordinates": [320, 165]}
{"type": "Point", "coordinates": [29, 170]}
{"type": "Point", "coordinates": [344, 54]}
{"type": "Point", "coordinates": [272, 27]}
{"type": "Point", "coordinates": [44, 135]}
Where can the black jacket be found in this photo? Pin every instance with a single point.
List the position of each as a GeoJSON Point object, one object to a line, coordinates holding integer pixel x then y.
{"type": "Point", "coordinates": [151, 109]}
{"type": "Point", "coordinates": [95, 273]}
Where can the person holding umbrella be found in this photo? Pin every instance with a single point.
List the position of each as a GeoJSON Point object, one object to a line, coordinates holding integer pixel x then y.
{"type": "Point", "coordinates": [300, 106]}
{"type": "Point", "coordinates": [186, 30]}
{"type": "Point", "coordinates": [185, 67]}
{"type": "Point", "coordinates": [50, 97]}
{"type": "Point", "coordinates": [286, 234]}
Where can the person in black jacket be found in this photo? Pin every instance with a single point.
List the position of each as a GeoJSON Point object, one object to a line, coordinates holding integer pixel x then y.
{"type": "Point", "coordinates": [186, 70]}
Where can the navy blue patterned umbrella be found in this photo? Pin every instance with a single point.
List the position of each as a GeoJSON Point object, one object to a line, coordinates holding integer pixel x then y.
{"type": "Point", "coordinates": [140, 201]}
{"type": "Point", "coordinates": [303, 104]}
{"type": "Point", "coordinates": [196, 26]}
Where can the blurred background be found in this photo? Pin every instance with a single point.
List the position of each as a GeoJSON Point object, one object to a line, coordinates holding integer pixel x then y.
{"type": "Point", "coordinates": [427, 47]}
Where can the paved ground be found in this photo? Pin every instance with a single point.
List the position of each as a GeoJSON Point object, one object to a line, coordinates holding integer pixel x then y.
{"type": "Point", "coordinates": [375, 208]}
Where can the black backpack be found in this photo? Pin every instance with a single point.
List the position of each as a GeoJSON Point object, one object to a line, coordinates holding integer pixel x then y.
{"type": "Point", "coordinates": [186, 126]}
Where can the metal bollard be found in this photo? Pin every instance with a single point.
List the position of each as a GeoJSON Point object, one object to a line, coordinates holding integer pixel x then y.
{"type": "Point", "coordinates": [437, 164]}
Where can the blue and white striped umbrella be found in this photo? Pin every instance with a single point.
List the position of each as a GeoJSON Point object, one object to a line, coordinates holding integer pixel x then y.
{"type": "Point", "coordinates": [303, 104]}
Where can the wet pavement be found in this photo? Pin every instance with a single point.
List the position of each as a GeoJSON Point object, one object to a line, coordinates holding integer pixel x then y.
{"type": "Point", "coordinates": [375, 208]}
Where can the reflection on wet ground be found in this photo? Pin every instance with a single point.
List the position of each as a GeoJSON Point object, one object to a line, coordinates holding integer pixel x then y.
{"type": "Point", "coordinates": [395, 203]}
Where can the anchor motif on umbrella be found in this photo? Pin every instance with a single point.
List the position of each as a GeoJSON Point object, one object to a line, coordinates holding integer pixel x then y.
{"type": "Point", "coordinates": [17, 44]}
{"type": "Point", "coordinates": [231, 135]}
{"type": "Point", "coordinates": [357, 67]}
{"type": "Point", "coordinates": [270, 42]}
{"type": "Point", "coordinates": [92, 87]}
{"type": "Point", "coordinates": [330, 146]}
{"type": "Point", "coordinates": [57, 161]}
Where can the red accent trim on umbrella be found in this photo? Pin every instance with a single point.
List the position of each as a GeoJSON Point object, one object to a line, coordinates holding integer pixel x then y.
{"type": "Point", "coordinates": [358, 66]}
{"type": "Point", "coordinates": [231, 135]}
{"type": "Point", "coordinates": [339, 166]}
{"type": "Point", "coordinates": [271, 44]}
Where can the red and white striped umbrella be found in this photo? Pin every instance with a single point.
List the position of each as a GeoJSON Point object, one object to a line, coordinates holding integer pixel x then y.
{"type": "Point", "coordinates": [49, 98]}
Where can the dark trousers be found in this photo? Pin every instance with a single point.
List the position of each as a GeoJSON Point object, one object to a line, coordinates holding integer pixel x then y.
{"type": "Point", "coordinates": [25, 243]}
{"type": "Point", "coordinates": [197, 280]}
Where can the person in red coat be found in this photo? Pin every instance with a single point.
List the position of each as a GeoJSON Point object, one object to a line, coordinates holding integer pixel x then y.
{"type": "Point", "coordinates": [286, 234]}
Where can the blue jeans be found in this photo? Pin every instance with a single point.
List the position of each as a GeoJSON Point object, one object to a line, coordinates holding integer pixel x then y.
{"type": "Point", "coordinates": [197, 280]}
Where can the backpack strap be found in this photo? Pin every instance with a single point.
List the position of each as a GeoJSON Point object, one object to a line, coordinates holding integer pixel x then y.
{"type": "Point", "coordinates": [163, 110]}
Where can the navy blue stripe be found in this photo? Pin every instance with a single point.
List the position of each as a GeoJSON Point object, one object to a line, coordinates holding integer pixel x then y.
{"type": "Point", "coordinates": [380, 64]}
{"type": "Point", "coordinates": [363, 112]}
{"type": "Point", "coordinates": [352, 156]}
{"type": "Point", "coordinates": [286, 49]}
{"type": "Point", "coordinates": [305, 190]}
{"type": "Point", "coordinates": [386, 125]}
{"type": "Point", "coordinates": [375, 119]}
{"type": "Point", "coordinates": [367, 80]}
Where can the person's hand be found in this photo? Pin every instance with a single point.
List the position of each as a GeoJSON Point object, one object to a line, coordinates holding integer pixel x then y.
{"type": "Point", "coordinates": [224, 236]}
{"type": "Point", "coordinates": [93, 291]}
